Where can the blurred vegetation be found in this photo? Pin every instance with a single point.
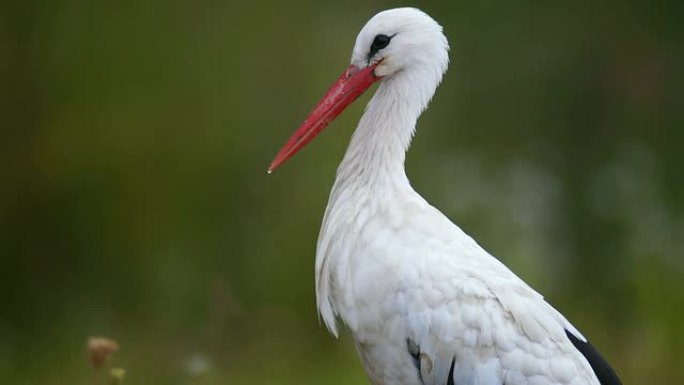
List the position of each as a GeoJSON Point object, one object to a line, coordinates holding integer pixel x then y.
{"type": "Point", "coordinates": [134, 201]}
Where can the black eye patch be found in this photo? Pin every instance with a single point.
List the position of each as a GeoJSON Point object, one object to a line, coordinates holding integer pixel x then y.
{"type": "Point", "coordinates": [381, 41]}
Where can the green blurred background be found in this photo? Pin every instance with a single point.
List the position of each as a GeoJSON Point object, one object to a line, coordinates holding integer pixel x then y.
{"type": "Point", "coordinates": [134, 201]}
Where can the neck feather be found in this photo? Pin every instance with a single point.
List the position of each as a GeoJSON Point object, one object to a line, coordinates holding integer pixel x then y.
{"type": "Point", "coordinates": [378, 147]}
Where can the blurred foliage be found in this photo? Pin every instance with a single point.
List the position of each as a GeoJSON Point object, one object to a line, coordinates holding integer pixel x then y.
{"type": "Point", "coordinates": [134, 201]}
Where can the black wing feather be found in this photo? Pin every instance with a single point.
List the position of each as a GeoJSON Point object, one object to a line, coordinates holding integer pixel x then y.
{"type": "Point", "coordinates": [450, 380]}
{"type": "Point", "coordinates": [605, 374]}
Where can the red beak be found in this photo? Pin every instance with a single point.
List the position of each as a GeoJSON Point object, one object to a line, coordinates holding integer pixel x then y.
{"type": "Point", "coordinates": [349, 86]}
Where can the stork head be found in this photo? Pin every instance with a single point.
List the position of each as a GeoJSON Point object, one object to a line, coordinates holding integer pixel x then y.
{"type": "Point", "coordinates": [401, 39]}
{"type": "Point", "coordinates": [393, 42]}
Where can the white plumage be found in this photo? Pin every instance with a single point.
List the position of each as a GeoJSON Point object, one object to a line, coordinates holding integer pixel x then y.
{"type": "Point", "coordinates": [424, 302]}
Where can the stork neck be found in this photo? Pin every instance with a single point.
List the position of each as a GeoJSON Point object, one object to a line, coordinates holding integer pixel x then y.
{"type": "Point", "coordinates": [378, 147]}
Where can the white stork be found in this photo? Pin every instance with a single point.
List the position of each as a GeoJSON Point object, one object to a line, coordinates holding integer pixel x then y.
{"type": "Point", "coordinates": [424, 302]}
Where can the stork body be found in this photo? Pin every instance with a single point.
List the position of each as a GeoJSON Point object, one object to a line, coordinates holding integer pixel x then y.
{"type": "Point", "coordinates": [425, 303]}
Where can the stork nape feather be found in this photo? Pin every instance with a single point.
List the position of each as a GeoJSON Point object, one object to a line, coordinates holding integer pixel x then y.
{"type": "Point", "coordinates": [425, 304]}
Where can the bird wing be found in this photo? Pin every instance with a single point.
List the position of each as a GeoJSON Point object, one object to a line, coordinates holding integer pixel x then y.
{"type": "Point", "coordinates": [503, 330]}
{"type": "Point", "coordinates": [478, 341]}
{"type": "Point", "coordinates": [498, 332]}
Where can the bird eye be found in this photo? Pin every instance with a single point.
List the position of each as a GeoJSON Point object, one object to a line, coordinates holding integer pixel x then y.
{"type": "Point", "coordinates": [380, 42]}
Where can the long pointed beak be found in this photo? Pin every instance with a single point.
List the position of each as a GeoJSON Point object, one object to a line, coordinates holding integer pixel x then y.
{"type": "Point", "coordinates": [349, 86]}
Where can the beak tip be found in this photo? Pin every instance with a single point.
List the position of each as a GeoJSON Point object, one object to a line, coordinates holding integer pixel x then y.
{"type": "Point", "coordinates": [276, 162]}
{"type": "Point", "coordinates": [272, 167]}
